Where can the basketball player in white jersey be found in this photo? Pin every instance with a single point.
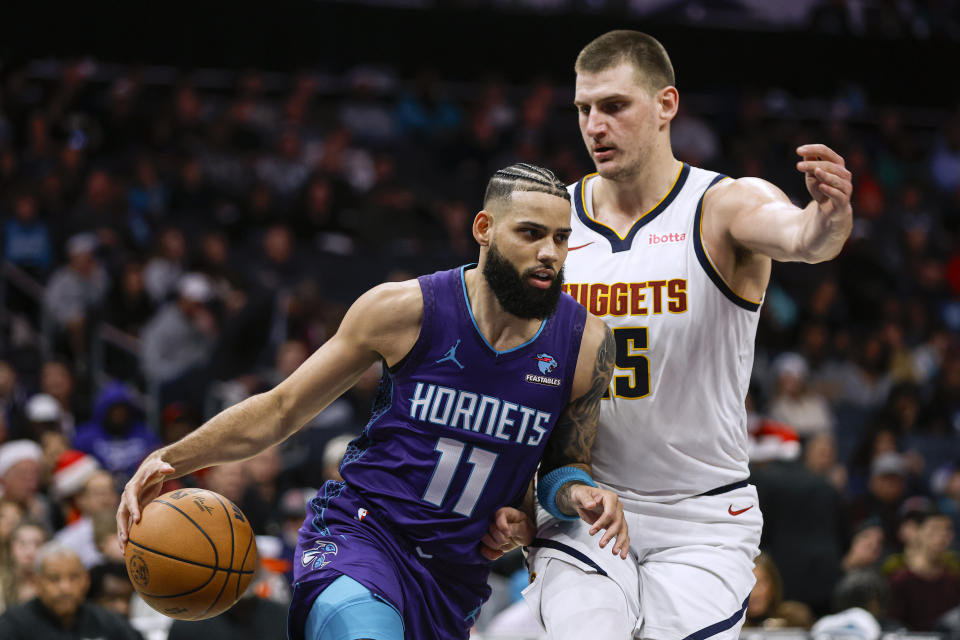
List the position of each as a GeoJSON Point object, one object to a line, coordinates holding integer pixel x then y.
{"type": "Point", "coordinates": [676, 260]}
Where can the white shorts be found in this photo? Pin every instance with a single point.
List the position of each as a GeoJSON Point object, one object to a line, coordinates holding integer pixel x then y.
{"type": "Point", "coordinates": [688, 576]}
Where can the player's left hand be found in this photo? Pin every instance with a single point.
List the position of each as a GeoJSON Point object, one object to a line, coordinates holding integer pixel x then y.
{"type": "Point", "coordinates": [509, 529]}
{"type": "Point", "coordinates": [828, 180]}
{"type": "Point", "coordinates": [602, 509]}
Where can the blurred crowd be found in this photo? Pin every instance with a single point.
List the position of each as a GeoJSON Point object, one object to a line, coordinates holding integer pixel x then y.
{"type": "Point", "coordinates": [174, 242]}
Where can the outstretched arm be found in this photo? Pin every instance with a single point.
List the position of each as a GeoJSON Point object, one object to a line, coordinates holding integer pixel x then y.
{"type": "Point", "coordinates": [757, 216]}
{"type": "Point", "coordinates": [383, 323]}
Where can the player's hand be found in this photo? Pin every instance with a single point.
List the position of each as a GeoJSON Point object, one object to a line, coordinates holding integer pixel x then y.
{"type": "Point", "coordinates": [828, 180]}
{"type": "Point", "coordinates": [602, 509]}
{"type": "Point", "coordinates": [509, 529]}
{"type": "Point", "coordinates": [143, 487]}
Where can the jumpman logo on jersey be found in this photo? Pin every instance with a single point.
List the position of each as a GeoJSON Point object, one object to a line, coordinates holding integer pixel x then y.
{"type": "Point", "coordinates": [472, 616]}
{"type": "Point", "coordinates": [452, 355]}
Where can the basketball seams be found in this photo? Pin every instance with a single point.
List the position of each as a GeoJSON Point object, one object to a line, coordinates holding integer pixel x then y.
{"type": "Point", "coordinates": [223, 587]}
{"type": "Point", "coordinates": [216, 555]}
{"type": "Point", "coordinates": [184, 560]}
{"type": "Point", "coordinates": [242, 564]}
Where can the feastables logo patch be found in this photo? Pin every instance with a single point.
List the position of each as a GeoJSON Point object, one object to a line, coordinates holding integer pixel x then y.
{"type": "Point", "coordinates": [546, 363]}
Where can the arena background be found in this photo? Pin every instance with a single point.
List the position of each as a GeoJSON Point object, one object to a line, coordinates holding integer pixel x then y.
{"type": "Point", "coordinates": [286, 157]}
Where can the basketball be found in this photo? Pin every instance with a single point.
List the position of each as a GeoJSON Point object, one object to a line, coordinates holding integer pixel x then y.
{"type": "Point", "coordinates": [192, 555]}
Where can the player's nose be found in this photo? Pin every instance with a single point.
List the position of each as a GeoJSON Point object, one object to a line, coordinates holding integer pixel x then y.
{"type": "Point", "coordinates": [596, 126]}
{"type": "Point", "coordinates": [548, 253]}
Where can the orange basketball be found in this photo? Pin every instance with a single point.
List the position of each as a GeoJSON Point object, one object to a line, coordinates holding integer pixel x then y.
{"type": "Point", "coordinates": [192, 554]}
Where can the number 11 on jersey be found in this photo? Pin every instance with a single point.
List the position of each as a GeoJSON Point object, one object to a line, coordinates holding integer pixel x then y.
{"type": "Point", "coordinates": [450, 453]}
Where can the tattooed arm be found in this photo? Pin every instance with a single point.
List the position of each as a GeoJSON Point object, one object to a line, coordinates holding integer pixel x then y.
{"type": "Point", "coordinates": [569, 446]}
{"type": "Point", "coordinates": [573, 435]}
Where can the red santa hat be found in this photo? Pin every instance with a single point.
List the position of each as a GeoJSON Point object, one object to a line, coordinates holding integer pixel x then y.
{"type": "Point", "coordinates": [71, 473]}
{"type": "Point", "coordinates": [772, 440]}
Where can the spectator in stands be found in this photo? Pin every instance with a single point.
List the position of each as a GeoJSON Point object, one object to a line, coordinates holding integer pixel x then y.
{"type": "Point", "coordinates": [164, 270]}
{"type": "Point", "coordinates": [794, 403]}
{"type": "Point", "coordinates": [18, 578]}
{"type": "Point", "coordinates": [27, 241]}
{"type": "Point", "coordinates": [252, 618]}
{"type": "Point", "coordinates": [11, 514]}
{"type": "Point", "coordinates": [97, 494]}
{"type": "Point", "coordinates": [100, 211]}
{"type": "Point", "coordinates": [926, 587]}
{"type": "Point", "coordinates": [42, 413]}
{"type": "Point", "coordinates": [128, 306]}
{"type": "Point", "coordinates": [280, 266]}
{"type": "Point", "coordinates": [56, 380]}
{"type": "Point", "coordinates": [13, 397]}
{"type": "Point", "coordinates": [229, 480]}
{"type": "Point", "coordinates": [766, 607]}
{"type": "Point", "coordinates": [110, 588]}
{"type": "Point", "coordinates": [20, 462]}
{"type": "Point", "coordinates": [807, 544]}
{"type": "Point", "coordinates": [106, 538]}
{"type": "Point", "coordinates": [914, 511]}
{"type": "Point", "coordinates": [284, 171]}
{"type": "Point", "coordinates": [261, 499]}
{"type": "Point", "coordinates": [860, 604]}
{"type": "Point", "coordinates": [117, 435]}
{"type": "Point", "coordinates": [885, 494]}
{"type": "Point", "coordinates": [76, 290]}
{"type": "Point", "coordinates": [147, 196]}
{"type": "Point", "coordinates": [59, 610]}
{"type": "Point", "coordinates": [181, 334]}
{"type": "Point", "coordinates": [820, 458]}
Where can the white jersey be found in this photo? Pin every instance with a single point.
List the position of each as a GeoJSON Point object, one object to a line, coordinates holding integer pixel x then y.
{"type": "Point", "coordinates": [674, 424]}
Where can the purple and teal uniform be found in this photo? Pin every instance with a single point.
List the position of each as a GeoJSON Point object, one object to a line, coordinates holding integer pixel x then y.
{"type": "Point", "coordinates": [456, 433]}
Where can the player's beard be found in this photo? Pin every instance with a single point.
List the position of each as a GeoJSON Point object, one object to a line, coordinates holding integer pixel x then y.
{"type": "Point", "coordinates": [514, 293]}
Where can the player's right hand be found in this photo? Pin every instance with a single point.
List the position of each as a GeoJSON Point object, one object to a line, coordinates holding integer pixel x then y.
{"type": "Point", "coordinates": [143, 487]}
{"type": "Point", "coordinates": [602, 509]}
{"type": "Point", "coordinates": [509, 529]}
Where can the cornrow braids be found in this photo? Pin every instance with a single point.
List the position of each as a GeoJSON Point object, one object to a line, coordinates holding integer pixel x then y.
{"type": "Point", "coordinates": [523, 177]}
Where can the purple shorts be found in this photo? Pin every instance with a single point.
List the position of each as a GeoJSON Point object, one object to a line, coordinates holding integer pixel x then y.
{"type": "Point", "coordinates": [436, 598]}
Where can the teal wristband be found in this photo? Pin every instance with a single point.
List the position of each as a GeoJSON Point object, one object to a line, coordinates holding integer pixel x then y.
{"type": "Point", "coordinates": [550, 484]}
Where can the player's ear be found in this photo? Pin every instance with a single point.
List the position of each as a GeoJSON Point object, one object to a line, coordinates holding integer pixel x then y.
{"type": "Point", "coordinates": [668, 102]}
{"type": "Point", "coordinates": [482, 227]}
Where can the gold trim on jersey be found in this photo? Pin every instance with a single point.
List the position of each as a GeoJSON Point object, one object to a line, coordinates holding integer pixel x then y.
{"type": "Point", "coordinates": [586, 210]}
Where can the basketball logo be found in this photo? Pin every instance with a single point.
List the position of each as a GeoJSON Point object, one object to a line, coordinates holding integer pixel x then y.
{"type": "Point", "coordinates": [139, 571]}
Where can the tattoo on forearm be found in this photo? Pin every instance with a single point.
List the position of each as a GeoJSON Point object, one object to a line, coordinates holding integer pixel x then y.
{"type": "Point", "coordinates": [576, 428]}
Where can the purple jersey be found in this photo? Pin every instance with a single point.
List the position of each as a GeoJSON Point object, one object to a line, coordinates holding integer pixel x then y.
{"type": "Point", "coordinates": [457, 432]}
{"type": "Point", "coordinates": [462, 426]}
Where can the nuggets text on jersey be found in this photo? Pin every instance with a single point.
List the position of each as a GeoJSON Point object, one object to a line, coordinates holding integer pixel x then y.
{"type": "Point", "coordinates": [631, 298]}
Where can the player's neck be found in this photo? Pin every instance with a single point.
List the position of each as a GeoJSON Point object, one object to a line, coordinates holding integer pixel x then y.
{"type": "Point", "coordinates": [624, 200]}
{"type": "Point", "coordinates": [501, 329]}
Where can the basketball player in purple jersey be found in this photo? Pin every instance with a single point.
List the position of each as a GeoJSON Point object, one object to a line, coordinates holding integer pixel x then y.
{"type": "Point", "coordinates": [488, 369]}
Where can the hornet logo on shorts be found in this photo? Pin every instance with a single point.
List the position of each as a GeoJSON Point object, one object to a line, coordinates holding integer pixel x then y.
{"type": "Point", "coordinates": [546, 363]}
{"type": "Point", "coordinates": [318, 555]}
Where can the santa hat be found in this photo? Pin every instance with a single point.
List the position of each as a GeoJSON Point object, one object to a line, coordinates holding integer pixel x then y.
{"type": "Point", "coordinates": [71, 473]}
{"type": "Point", "coordinates": [772, 440]}
{"type": "Point", "coordinates": [17, 451]}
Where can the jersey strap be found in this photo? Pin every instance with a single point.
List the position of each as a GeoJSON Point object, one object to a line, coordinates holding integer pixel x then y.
{"type": "Point", "coordinates": [707, 264]}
